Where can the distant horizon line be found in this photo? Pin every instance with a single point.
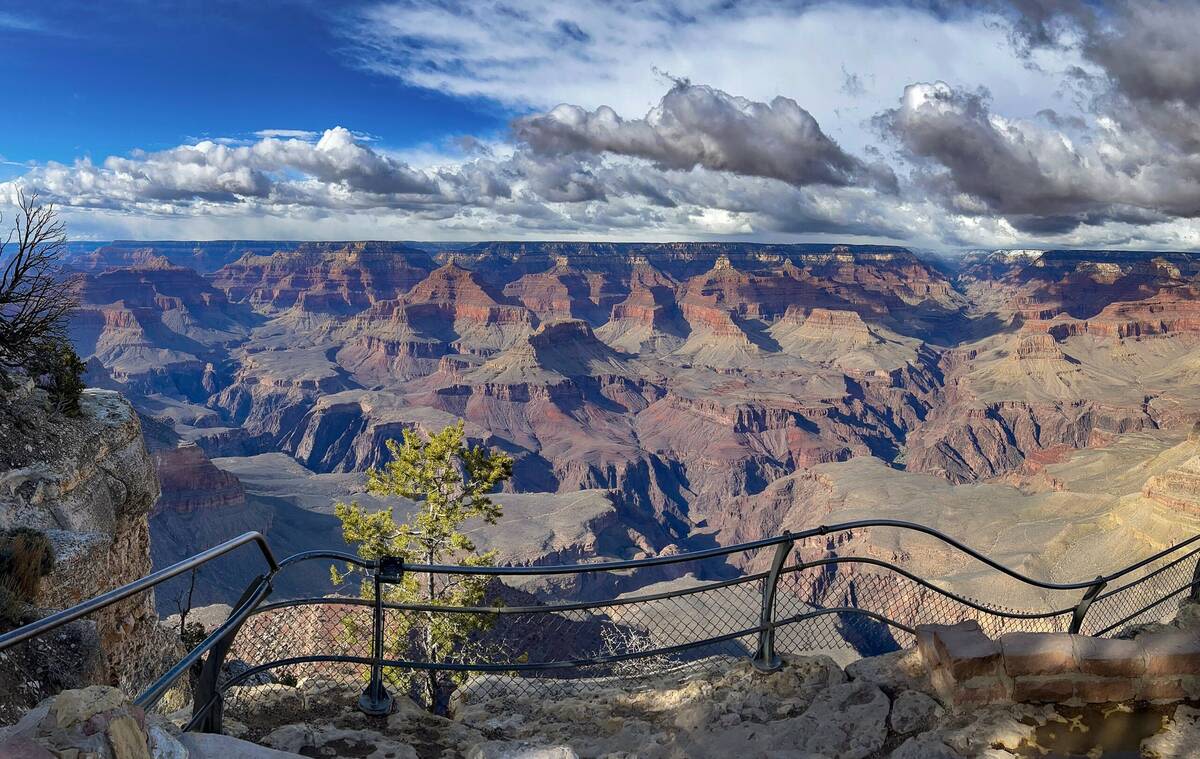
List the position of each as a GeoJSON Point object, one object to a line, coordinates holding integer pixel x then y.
{"type": "Point", "coordinates": [450, 243]}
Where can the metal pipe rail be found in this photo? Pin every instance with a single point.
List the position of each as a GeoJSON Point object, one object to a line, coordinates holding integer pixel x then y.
{"type": "Point", "coordinates": [657, 561]}
{"type": "Point", "coordinates": [58, 619]}
{"type": "Point", "coordinates": [214, 683]}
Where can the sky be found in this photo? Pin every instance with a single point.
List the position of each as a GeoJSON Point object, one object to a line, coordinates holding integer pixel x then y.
{"type": "Point", "coordinates": [936, 125]}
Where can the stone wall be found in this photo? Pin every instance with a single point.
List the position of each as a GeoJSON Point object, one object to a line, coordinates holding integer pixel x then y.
{"type": "Point", "coordinates": [967, 667]}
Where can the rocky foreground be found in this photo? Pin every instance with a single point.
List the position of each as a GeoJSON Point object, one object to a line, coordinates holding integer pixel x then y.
{"type": "Point", "coordinates": [877, 707]}
{"type": "Point", "coordinates": [912, 704]}
{"type": "Point", "coordinates": [88, 483]}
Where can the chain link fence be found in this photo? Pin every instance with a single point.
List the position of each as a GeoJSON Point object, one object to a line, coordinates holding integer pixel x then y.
{"type": "Point", "coordinates": [846, 606]}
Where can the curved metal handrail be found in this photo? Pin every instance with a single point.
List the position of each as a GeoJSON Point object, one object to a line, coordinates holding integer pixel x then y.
{"type": "Point", "coordinates": [584, 605]}
{"type": "Point", "coordinates": [964, 600]}
{"type": "Point", "coordinates": [254, 600]}
{"type": "Point", "coordinates": [349, 558]}
{"type": "Point", "coordinates": [708, 553]}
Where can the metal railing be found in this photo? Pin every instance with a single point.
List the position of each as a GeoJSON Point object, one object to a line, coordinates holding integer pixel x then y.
{"type": "Point", "coordinates": [834, 601]}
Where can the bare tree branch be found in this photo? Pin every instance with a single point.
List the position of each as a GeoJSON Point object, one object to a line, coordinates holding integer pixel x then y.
{"type": "Point", "coordinates": [36, 294]}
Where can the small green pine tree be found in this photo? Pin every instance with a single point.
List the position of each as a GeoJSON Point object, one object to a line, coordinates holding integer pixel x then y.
{"type": "Point", "coordinates": [450, 482]}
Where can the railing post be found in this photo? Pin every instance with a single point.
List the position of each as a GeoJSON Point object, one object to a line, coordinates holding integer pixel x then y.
{"type": "Point", "coordinates": [208, 684]}
{"type": "Point", "coordinates": [1195, 594]}
{"type": "Point", "coordinates": [1085, 603]}
{"type": "Point", "coordinates": [766, 660]}
{"type": "Point", "coordinates": [375, 700]}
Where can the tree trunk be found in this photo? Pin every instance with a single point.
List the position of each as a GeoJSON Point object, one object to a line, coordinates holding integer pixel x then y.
{"type": "Point", "coordinates": [431, 674]}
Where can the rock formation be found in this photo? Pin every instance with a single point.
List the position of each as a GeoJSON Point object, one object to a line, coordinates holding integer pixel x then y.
{"type": "Point", "coordinates": [89, 484]}
{"type": "Point", "coordinates": [190, 482]}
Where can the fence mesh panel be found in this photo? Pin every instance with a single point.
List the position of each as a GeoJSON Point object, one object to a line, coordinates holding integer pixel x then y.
{"type": "Point", "coordinates": [1147, 595]}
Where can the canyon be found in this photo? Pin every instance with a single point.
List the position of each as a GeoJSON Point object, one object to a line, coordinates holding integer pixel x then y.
{"type": "Point", "coordinates": [664, 396]}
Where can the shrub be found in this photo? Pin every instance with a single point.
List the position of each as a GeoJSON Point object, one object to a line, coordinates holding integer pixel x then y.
{"type": "Point", "coordinates": [59, 371]}
{"type": "Point", "coordinates": [26, 556]}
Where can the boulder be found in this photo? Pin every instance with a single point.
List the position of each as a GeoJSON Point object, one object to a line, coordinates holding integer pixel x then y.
{"type": "Point", "coordinates": [913, 711]}
{"type": "Point", "coordinates": [519, 750]}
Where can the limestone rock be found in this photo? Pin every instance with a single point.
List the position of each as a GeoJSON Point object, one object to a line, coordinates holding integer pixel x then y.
{"type": "Point", "coordinates": [1181, 736]}
{"type": "Point", "coordinates": [893, 672]}
{"type": "Point", "coordinates": [913, 711]}
{"type": "Point", "coordinates": [519, 750]}
{"type": "Point", "coordinates": [991, 727]}
{"type": "Point", "coordinates": [127, 739]}
{"type": "Point", "coordinates": [926, 746]}
{"type": "Point", "coordinates": [164, 745]}
{"type": "Point", "coordinates": [23, 748]}
{"type": "Point", "coordinates": [209, 746]}
{"type": "Point", "coordinates": [75, 706]}
{"type": "Point", "coordinates": [310, 740]}
{"type": "Point", "coordinates": [848, 721]}
{"type": "Point", "coordinates": [98, 721]}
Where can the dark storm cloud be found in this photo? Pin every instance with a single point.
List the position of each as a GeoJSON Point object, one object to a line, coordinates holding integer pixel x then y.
{"type": "Point", "coordinates": [1145, 53]}
{"type": "Point", "coordinates": [694, 125]}
{"type": "Point", "coordinates": [978, 163]}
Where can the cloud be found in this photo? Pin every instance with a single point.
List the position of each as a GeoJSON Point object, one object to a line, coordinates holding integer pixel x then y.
{"type": "Point", "coordinates": [684, 179]}
{"type": "Point", "coordinates": [700, 154]}
{"type": "Point", "coordinates": [1088, 133]}
{"type": "Point", "coordinates": [1145, 49]}
{"type": "Point", "coordinates": [539, 53]}
{"type": "Point", "coordinates": [696, 125]}
{"type": "Point", "coordinates": [20, 23]}
{"type": "Point", "coordinates": [1128, 154]}
{"type": "Point", "coordinates": [1041, 179]}
{"type": "Point", "coordinates": [299, 134]}
{"type": "Point", "coordinates": [271, 170]}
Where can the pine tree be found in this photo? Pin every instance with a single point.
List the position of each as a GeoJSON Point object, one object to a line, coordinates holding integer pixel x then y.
{"type": "Point", "coordinates": [450, 482]}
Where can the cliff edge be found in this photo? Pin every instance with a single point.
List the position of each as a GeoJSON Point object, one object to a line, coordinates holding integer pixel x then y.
{"type": "Point", "coordinates": [88, 483]}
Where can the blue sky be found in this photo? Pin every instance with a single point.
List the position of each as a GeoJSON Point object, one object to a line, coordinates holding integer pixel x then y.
{"type": "Point", "coordinates": [994, 123]}
{"type": "Point", "coordinates": [108, 78]}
